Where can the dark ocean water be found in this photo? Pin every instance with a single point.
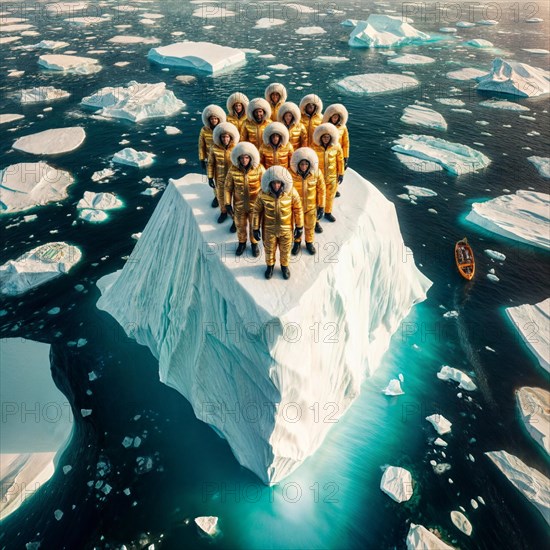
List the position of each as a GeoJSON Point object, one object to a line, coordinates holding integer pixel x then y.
{"type": "Point", "coordinates": [333, 500]}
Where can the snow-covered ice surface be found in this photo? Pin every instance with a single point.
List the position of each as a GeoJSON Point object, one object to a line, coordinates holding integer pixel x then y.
{"type": "Point", "coordinates": [419, 538]}
{"type": "Point", "coordinates": [461, 522]}
{"type": "Point", "coordinates": [93, 206]}
{"type": "Point", "coordinates": [37, 266]}
{"type": "Point", "coordinates": [523, 216]}
{"type": "Point", "coordinates": [51, 142]}
{"type": "Point", "coordinates": [29, 450]}
{"type": "Point", "coordinates": [46, 45]}
{"type": "Point", "coordinates": [454, 157]}
{"type": "Point", "coordinates": [542, 164]}
{"type": "Point", "coordinates": [450, 373]}
{"type": "Point", "coordinates": [420, 191]}
{"type": "Point", "coordinates": [69, 63]}
{"type": "Point", "coordinates": [375, 83]}
{"type": "Point", "coordinates": [330, 59]}
{"type": "Point", "coordinates": [534, 486]}
{"type": "Point", "coordinates": [466, 73]}
{"type": "Point", "coordinates": [518, 79]}
{"type": "Point", "coordinates": [135, 101]}
{"type": "Point", "coordinates": [199, 56]}
{"type": "Point", "coordinates": [131, 157]}
{"type": "Point", "coordinates": [393, 388]}
{"type": "Point", "coordinates": [41, 94]}
{"type": "Point", "coordinates": [29, 184]}
{"type": "Point", "coordinates": [419, 115]}
{"type": "Point", "coordinates": [385, 31]}
{"type": "Point", "coordinates": [450, 101]}
{"type": "Point", "coordinates": [419, 165]}
{"type": "Point", "coordinates": [129, 39]}
{"type": "Point", "coordinates": [310, 30]}
{"type": "Point", "coordinates": [5, 119]}
{"type": "Point", "coordinates": [268, 22]}
{"type": "Point", "coordinates": [503, 104]}
{"type": "Point", "coordinates": [411, 59]}
{"type": "Point", "coordinates": [175, 297]}
{"type": "Point", "coordinates": [440, 423]}
{"type": "Point", "coordinates": [397, 483]}
{"type": "Point", "coordinates": [479, 43]}
{"type": "Point", "coordinates": [534, 408]}
{"type": "Point", "coordinates": [207, 524]}
{"type": "Point", "coordinates": [533, 324]}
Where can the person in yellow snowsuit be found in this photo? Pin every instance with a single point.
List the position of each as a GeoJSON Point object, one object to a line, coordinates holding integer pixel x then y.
{"type": "Point", "coordinates": [289, 114]}
{"type": "Point", "coordinates": [258, 116]}
{"type": "Point", "coordinates": [225, 137]}
{"type": "Point", "coordinates": [310, 183]}
{"type": "Point", "coordinates": [236, 108]}
{"type": "Point", "coordinates": [331, 162]}
{"type": "Point", "coordinates": [311, 108]}
{"type": "Point", "coordinates": [279, 216]}
{"type": "Point", "coordinates": [275, 94]}
{"type": "Point", "coordinates": [337, 114]}
{"type": "Point", "coordinates": [242, 185]}
{"type": "Point", "coordinates": [212, 115]}
{"type": "Point", "coordinates": [275, 149]}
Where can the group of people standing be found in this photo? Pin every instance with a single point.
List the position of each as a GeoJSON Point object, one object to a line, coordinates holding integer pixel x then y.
{"type": "Point", "coordinates": [274, 167]}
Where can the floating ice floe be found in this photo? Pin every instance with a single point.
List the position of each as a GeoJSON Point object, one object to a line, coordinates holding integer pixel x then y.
{"type": "Point", "coordinates": [45, 93]}
{"type": "Point", "coordinates": [534, 20]}
{"type": "Point", "coordinates": [440, 442]}
{"type": "Point", "coordinates": [46, 45]}
{"type": "Point", "coordinates": [503, 104]}
{"type": "Point", "coordinates": [51, 142]}
{"type": "Point", "coordinates": [493, 254]}
{"type": "Point", "coordinates": [310, 30]}
{"type": "Point", "coordinates": [440, 423]}
{"type": "Point", "coordinates": [456, 158]}
{"type": "Point", "coordinates": [467, 73]}
{"type": "Point", "coordinates": [420, 191]}
{"type": "Point", "coordinates": [199, 56]}
{"type": "Point", "coordinates": [536, 51]}
{"type": "Point", "coordinates": [448, 29]}
{"type": "Point", "coordinates": [37, 266]}
{"type": "Point", "coordinates": [450, 373]}
{"type": "Point", "coordinates": [207, 524]}
{"type": "Point", "coordinates": [4, 119]}
{"type": "Point", "coordinates": [9, 39]}
{"type": "Point", "coordinates": [375, 83]}
{"type": "Point", "coordinates": [180, 219]}
{"type": "Point", "coordinates": [450, 101]}
{"type": "Point", "coordinates": [69, 63]}
{"type": "Point", "coordinates": [465, 24]}
{"type": "Point", "coordinates": [418, 165]}
{"type": "Point", "coordinates": [479, 43]}
{"type": "Point", "coordinates": [419, 115]}
{"type": "Point", "coordinates": [131, 157]}
{"type": "Point", "coordinates": [267, 22]}
{"type": "Point", "coordinates": [218, 12]}
{"type": "Point", "coordinates": [171, 131]}
{"type": "Point", "coordinates": [397, 483]}
{"type": "Point", "coordinates": [533, 485]}
{"type": "Point", "coordinates": [330, 59]}
{"type": "Point", "coordinates": [279, 67]}
{"type": "Point", "coordinates": [461, 522]}
{"type": "Point", "coordinates": [542, 164]}
{"type": "Point", "coordinates": [534, 408]}
{"type": "Point", "coordinates": [127, 39]}
{"type": "Point", "coordinates": [93, 206]}
{"type": "Point", "coordinates": [411, 59]}
{"type": "Point", "coordinates": [420, 538]}
{"type": "Point", "coordinates": [529, 318]}
{"type": "Point", "coordinates": [518, 79]}
{"type": "Point", "coordinates": [135, 101]}
{"type": "Point", "coordinates": [349, 23]}
{"type": "Point", "coordinates": [385, 31]}
{"type": "Point", "coordinates": [523, 216]}
{"type": "Point", "coordinates": [18, 27]}
{"type": "Point", "coordinates": [29, 184]}
{"type": "Point", "coordinates": [393, 388]}
{"type": "Point", "coordinates": [102, 174]}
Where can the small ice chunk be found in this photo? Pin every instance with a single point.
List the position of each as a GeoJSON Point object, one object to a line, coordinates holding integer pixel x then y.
{"type": "Point", "coordinates": [474, 504]}
{"type": "Point", "coordinates": [54, 311]}
{"type": "Point", "coordinates": [207, 524]}
{"type": "Point", "coordinates": [99, 201]}
{"type": "Point", "coordinates": [419, 115]}
{"type": "Point", "coordinates": [131, 157]}
{"type": "Point", "coordinates": [461, 522]}
{"type": "Point", "coordinates": [499, 256]}
{"type": "Point", "coordinates": [69, 63]}
{"type": "Point", "coordinates": [58, 514]}
{"type": "Point", "coordinates": [467, 73]}
{"type": "Point", "coordinates": [85, 412]}
{"type": "Point", "coordinates": [450, 373]}
{"type": "Point", "coordinates": [171, 130]}
{"type": "Point", "coordinates": [397, 483]}
{"type": "Point", "coordinates": [127, 442]}
{"type": "Point", "coordinates": [103, 174]}
{"type": "Point", "coordinates": [440, 442]}
{"type": "Point", "coordinates": [42, 94]}
{"type": "Point", "coordinates": [450, 101]}
{"type": "Point", "coordinates": [493, 277]}
{"type": "Point", "coordinates": [411, 59]}
{"type": "Point", "coordinates": [4, 119]}
{"type": "Point", "coordinates": [310, 30]}
{"type": "Point", "coordinates": [453, 314]}
{"type": "Point", "coordinates": [440, 423]}
{"type": "Point", "coordinates": [67, 469]}
{"type": "Point", "coordinates": [542, 164]}
{"type": "Point", "coordinates": [393, 388]}
{"type": "Point", "coordinates": [420, 538]}
{"type": "Point", "coordinates": [479, 43]}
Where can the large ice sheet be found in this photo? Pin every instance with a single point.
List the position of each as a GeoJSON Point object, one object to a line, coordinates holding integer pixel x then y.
{"type": "Point", "coordinates": [419, 115]}
{"type": "Point", "coordinates": [385, 31]}
{"type": "Point", "coordinates": [375, 83]}
{"type": "Point", "coordinates": [224, 335]}
{"type": "Point", "coordinates": [533, 324]}
{"type": "Point", "coordinates": [534, 486]}
{"type": "Point", "coordinates": [534, 408]}
{"type": "Point", "coordinates": [51, 142]}
{"type": "Point", "coordinates": [199, 56]}
{"type": "Point", "coordinates": [135, 101]}
{"type": "Point", "coordinates": [29, 184]}
{"type": "Point", "coordinates": [69, 63]}
{"type": "Point", "coordinates": [523, 216]}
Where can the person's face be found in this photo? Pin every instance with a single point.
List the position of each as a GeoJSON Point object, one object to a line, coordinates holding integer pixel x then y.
{"type": "Point", "coordinates": [275, 97]}
{"type": "Point", "coordinates": [303, 165]}
{"type": "Point", "coordinates": [259, 114]}
{"type": "Point", "coordinates": [288, 118]}
{"type": "Point", "coordinates": [325, 139]}
{"type": "Point", "coordinates": [225, 139]}
{"type": "Point", "coordinates": [310, 108]}
{"type": "Point", "coordinates": [275, 139]}
{"type": "Point", "coordinates": [238, 107]}
{"type": "Point", "coordinates": [245, 160]}
{"type": "Point", "coordinates": [335, 119]}
{"type": "Point", "coordinates": [214, 121]}
{"type": "Point", "coordinates": [276, 185]}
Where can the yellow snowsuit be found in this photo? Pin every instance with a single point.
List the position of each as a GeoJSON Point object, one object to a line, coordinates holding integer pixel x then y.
{"type": "Point", "coordinates": [311, 122]}
{"type": "Point", "coordinates": [297, 131]}
{"type": "Point", "coordinates": [280, 155]}
{"type": "Point", "coordinates": [205, 136]}
{"type": "Point", "coordinates": [232, 117]}
{"type": "Point", "coordinates": [252, 130]}
{"type": "Point", "coordinates": [339, 109]}
{"type": "Point", "coordinates": [281, 90]}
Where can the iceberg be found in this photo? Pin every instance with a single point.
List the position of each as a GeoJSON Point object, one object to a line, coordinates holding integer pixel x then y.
{"type": "Point", "coordinates": [479, 43]}
{"type": "Point", "coordinates": [461, 522]}
{"type": "Point", "coordinates": [503, 104]}
{"type": "Point", "coordinates": [207, 524]}
{"type": "Point", "coordinates": [419, 538]}
{"type": "Point", "coordinates": [92, 205]}
{"type": "Point", "coordinates": [29, 450]}
{"type": "Point", "coordinates": [37, 266]}
{"type": "Point", "coordinates": [224, 335]}
{"type": "Point", "coordinates": [375, 83]}
{"type": "Point", "coordinates": [465, 24]}
{"type": "Point", "coordinates": [268, 22]}
{"type": "Point", "coordinates": [199, 56]}
{"type": "Point", "coordinates": [39, 95]}
{"type": "Point", "coordinates": [467, 73]}
{"type": "Point", "coordinates": [533, 324]}
{"type": "Point", "coordinates": [29, 184]}
{"type": "Point", "coordinates": [411, 59]}
{"type": "Point", "coordinates": [124, 39]}
{"type": "Point", "coordinates": [135, 102]}
{"type": "Point", "coordinates": [420, 191]}
{"type": "Point", "coordinates": [4, 119]}
{"type": "Point", "coordinates": [330, 59]}
{"type": "Point", "coordinates": [393, 388]}
{"type": "Point", "coordinates": [385, 31]}
{"type": "Point", "coordinates": [419, 165]}
{"type": "Point", "coordinates": [102, 174]}
{"type": "Point", "coordinates": [450, 373]}
{"type": "Point", "coordinates": [51, 142]}
{"type": "Point", "coordinates": [448, 29]}
{"type": "Point", "coordinates": [456, 158]}
{"type": "Point", "coordinates": [69, 63]}
{"type": "Point", "coordinates": [534, 408]}
{"type": "Point", "coordinates": [542, 164]}
{"type": "Point", "coordinates": [349, 23]}
{"type": "Point", "coordinates": [46, 45]}
{"type": "Point", "coordinates": [518, 79]}
{"type": "Point", "coordinates": [523, 216]}
{"type": "Point", "coordinates": [440, 423]}
{"type": "Point", "coordinates": [397, 483]}
{"type": "Point", "coordinates": [423, 116]}
{"type": "Point", "coordinates": [131, 157]}
{"type": "Point", "coordinates": [310, 30]}
{"type": "Point", "coordinates": [534, 486]}
{"type": "Point", "coordinates": [494, 255]}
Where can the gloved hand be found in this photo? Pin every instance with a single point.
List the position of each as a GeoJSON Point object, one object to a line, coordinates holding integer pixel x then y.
{"type": "Point", "coordinates": [229, 209]}
{"type": "Point", "coordinates": [340, 179]}
{"type": "Point", "coordinates": [211, 182]}
{"type": "Point", "coordinates": [257, 234]}
{"type": "Point", "coordinates": [298, 232]}
{"type": "Point", "coordinates": [203, 164]}
{"type": "Point", "coordinates": [320, 212]}
{"type": "Point", "coordinates": [346, 163]}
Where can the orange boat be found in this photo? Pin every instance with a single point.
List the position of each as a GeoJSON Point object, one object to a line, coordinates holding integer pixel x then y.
{"type": "Point", "coordinates": [464, 257]}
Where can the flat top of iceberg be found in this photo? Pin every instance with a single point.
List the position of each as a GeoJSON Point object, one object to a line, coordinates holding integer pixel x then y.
{"type": "Point", "coordinates": [542, 164]}
{"type": "Point", "coordinates": [69, 63]}
{"type": "Point", "coordinates": [424, 116]}
{"type": "Point", "coordinates": [523, 216]}
{"type": "Point", "coordinates": [375, 83]}
{"type": "Point", "coordinates": [503, 104]}
{"type": "Point", "coordinates": [411, 59]}
{"type": "Point", "coordinates": [99, 201]}
{"type": "Point", "coordinates": [534, 406]}
{"type": "Point", "coordinates": [466, 73]}
{"type": "Point", "coordinates": [132, 157]}
{"type": "Point", "coordinates": [397, 483]}
{"type": "Point", "coordinates": [385, 31]}
{"type": "Point", "coordinates": [51, 142]}
{"type": "Point", "coordinates": [4, 119]}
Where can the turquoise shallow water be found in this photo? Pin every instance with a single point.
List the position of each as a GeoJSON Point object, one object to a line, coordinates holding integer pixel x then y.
{"type": "Point", "coordinates": [333, 500]}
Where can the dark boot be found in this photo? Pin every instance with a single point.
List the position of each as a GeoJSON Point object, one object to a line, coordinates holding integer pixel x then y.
{"type": "Point", "coordinates": [337, 193]}
{"type": "Point", "coordinates": [255, 250]}
{"type": "Point", "coordinates": [222, 217]}
{"type": "Point", "coordinates": [269, 272]}
{"type": "Point", "coordinates": [233, 227]}
{"type": "Point", "coordinates": [215, 203]}
{"type": "Point", "coordinates": [318, 228]}
{"type": "Point", "coordinates": [295, 248]}
{"type": "Point", "coordinates": [240, 249]}
{"type": "Point", "coordinates": [286, 272]}
{"type": "Point", "coordinates": [330, 217]}
{"type": "Point", "coordinates": [310, 248]}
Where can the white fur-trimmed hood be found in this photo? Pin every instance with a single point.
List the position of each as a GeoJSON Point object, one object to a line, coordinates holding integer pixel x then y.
{"type": "Point", "coordinates": [277, 173]}
{"type": "Point", "coordinates": [336, 109]}
{"type": "Point", "coordinates": [326, 128]}
{"type": "Point", "coordinates": [276, 87]}
{"type": "Point", "coordinates": [245, 148]}
{"type": "Point", "coordinates": [225, 128]}
{"type": "Point", "coordinates": [275, 128]}
{"type": "Point", "coordinates": [311, 98]}
{"type": "Point", "coordinates": [289, 107]}
{"type": "Point", "coordinates": [304, 153]}
{"type": "Point", "coordinates": [258, 103]}
{"type": "Point", "coordinates": [237, 97]}
{"type": "Point", "coordinates": [212, 110]}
